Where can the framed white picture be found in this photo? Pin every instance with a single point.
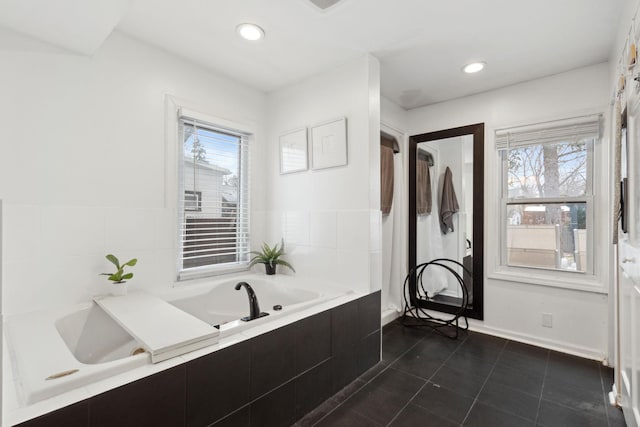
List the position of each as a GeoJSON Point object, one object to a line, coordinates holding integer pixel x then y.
{"type": "Point", "coordinates": [329, 144]}
{"type": "Point", "coordinates": [293, 151]}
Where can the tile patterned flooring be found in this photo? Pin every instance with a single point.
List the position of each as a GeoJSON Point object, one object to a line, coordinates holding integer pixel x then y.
{"type": "Point", "coordinates": [426, 380]}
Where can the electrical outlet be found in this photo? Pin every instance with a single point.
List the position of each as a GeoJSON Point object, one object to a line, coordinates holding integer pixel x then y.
{"type": "Point", "coordinates": [547, 320]}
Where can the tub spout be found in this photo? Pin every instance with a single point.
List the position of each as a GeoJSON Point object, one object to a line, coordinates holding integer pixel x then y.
{"type": "Point", "coordinates": [254, 306]}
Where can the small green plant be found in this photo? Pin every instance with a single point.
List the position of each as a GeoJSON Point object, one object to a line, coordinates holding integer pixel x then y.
{"type": "Point", "coordinates": [119, 276]}
{"type": "Point", "coordinates": [270, 257]}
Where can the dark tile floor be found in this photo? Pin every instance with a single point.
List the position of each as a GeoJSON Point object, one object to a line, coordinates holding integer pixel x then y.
{"type": "Point", "coordinates": [427, 380]}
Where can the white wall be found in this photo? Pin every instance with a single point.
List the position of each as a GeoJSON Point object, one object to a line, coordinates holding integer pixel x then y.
{"type": "Point", "coordinates": [82, 163]}
{"type": "Point", "coordinates": [329, 219]}
{"type": "Point", "coordinates": [623, 30]}
{"type": "Point", "coordinates": [393, 115]}
{"type": "Point", "coordinates": [514, 309]}
{"type": "Point", "coordinates": [619, 46]}
{"type": "Point", "coordinates": [2, 348]}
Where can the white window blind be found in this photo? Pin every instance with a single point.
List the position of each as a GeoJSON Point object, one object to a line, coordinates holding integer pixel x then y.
{"type": "Point", "coordinates": [213, 195]}
{"type": "Point", "coordinates": [549, 132]}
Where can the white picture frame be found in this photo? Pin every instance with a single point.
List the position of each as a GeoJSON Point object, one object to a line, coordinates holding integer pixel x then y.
{"type": "Point", "coordinates": [293, 151]}
{"type": "Point", "coordinates": [329, 144]}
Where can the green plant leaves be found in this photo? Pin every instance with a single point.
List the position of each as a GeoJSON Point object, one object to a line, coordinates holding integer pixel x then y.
{"type": "Point", "coordinates": [119, 275]}
{"type": "Point", "coordinates": [270, 256]}
{"type": "Point", "coordinates": [113, 260]}
{"type": "Point", "coordinates": [285, 263]}
{"type": "Point", "coordinates": [131, 262]}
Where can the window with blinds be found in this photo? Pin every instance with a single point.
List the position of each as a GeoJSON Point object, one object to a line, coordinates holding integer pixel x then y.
{"type": "Point", "coordinates": [547, 194]}
{"type": "Point", "coordinates": [213, 195]}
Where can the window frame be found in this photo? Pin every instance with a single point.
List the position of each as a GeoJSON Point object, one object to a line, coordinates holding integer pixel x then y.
{"type": "Point", "coordinates": [175, 109]}
{"type": "Point", "coordinates": [587, 199]}
{"type": "Point", "coordinates": [591, 281]}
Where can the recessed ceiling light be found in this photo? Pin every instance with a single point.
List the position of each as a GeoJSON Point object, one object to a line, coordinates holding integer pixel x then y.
{"type": "Point", "coordinates": [474, 67]}
{"type": "Point", "coordinates": [250, 32]}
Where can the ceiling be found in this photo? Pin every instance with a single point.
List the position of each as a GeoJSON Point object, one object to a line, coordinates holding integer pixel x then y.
{"type": "Point", "coordinates": [421, 44]}
{"type": "Point", "coordinates": [79, 26]}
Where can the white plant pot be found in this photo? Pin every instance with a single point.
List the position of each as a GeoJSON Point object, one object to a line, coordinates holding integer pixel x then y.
{"type": "Point", "coordinates": [119, 289]}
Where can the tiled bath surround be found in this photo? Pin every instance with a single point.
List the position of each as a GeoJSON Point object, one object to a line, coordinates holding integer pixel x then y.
{"type": "Point", "coordinates": [69, 211]}
{"type": "Point", "coordinates": [331, 244]}
{"type": "Point", "coordinates": [68, 243]}
{"type": "Point", "coordinates": [273, 379]}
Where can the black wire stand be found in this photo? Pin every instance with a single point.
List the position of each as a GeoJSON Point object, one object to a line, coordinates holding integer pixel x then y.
{"type": "Point", "coordinates": [415, 316]}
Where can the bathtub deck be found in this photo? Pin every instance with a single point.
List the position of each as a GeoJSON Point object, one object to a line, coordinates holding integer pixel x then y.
{"type": "Point", "coordinates": [162, 329]}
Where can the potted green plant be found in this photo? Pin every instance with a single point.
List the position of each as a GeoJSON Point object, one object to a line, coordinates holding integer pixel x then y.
{"type": "Point", "coordinates": [119, 278]}
{"type": "Point", "coordinates": [270, 257]}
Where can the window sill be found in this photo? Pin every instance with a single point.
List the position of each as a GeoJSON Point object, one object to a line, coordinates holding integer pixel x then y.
{"type": "Point", "coordinates": [579, 282]}
{"type": "Point", "coordinates": [208, 271]}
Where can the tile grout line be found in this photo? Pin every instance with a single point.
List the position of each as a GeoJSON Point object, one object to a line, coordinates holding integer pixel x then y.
{"type": "Point", "coordinates": [544, 380]}
{"type": "Point", "coordinates": [407, 404]}
{"type": "Point", "coordinates": [367, 382]}
{"type": "Point", "coordinates": [439, 367]}
{"type": "Point", "coordinates": [564, 405]}
{"type": "Point", "coordinates": [572, 408]}
{"type": "Point", "coordinates": [475, 399]}
{"type": "Point", "coordinates": [427, 381]}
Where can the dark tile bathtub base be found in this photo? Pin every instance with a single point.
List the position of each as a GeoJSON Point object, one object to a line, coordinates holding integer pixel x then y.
{"type": "Point", "coordinates": [154, 400]}
{"type": "Point", "coordinates": [272, 360]}
{"type": "Point", "coordinates": [312, 388]}
{"type": "Point", "coordinates": [313, 341]}
{"type": "Point", "coordinates": [271, 380]}
{"type": "Point", "coordinates": [76, 415]}
{"type": "Point", "coordinates": [211, 392]}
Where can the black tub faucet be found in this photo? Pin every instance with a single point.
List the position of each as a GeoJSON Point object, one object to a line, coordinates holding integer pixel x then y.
{"type": "Point", "coordinates": [254, 306]}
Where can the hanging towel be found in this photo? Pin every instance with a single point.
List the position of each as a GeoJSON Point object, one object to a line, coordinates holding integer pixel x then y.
{"type": "Point", "coordinates": [423, 187]}
{"type": "Point", "coordinates": [448, 203]}
{"type": "Point", "coordinates": [386, 179]}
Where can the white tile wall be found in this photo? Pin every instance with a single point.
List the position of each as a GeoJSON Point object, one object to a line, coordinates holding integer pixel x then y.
{"type": "Point", "coordinates": [375, 231]}
{"type": "Point", "coordinates": [73, 230]}
{"type": "Point", "coordinates": [322, 226]}
{"type": "Point", "coordinates": [165, 220]}
{"type": "Point", "coordinates": [375, 270]}
{"type": "Point", "coordinates": [54, 254]}
{"type": "Point", "coordinates": [332, 245]}
{"type": "Point", "coordinates": [296, 228]}
{"type": "Point", "coordinates": [22, 227]}
{"type": "Point", "coordinates": [353, 229]}
{"type": "Point", "coordinates": [129, 229]}
{"type": "Point", "coordinates": [352, 269]}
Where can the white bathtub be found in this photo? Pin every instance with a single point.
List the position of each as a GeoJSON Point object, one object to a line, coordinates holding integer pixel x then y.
{"type": "Point", "coordinates": [84, 340]}
{"type": "Point", "coordinates": [60, 350]}
{"type": "Point", "coordinates": [222, 305]}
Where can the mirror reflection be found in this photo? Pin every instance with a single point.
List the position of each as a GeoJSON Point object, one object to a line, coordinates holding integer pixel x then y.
{"type": "Point", "coordinates": [446, 219]}
{"type": "Point", "coordinates": [444, 208]}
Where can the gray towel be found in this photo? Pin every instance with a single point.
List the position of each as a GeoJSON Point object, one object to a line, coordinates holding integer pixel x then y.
{"type": "Point", "coordinates": [386, 179]}
{"type": "Point", "coordinates": [448, 203]}
{"type": "Point", "coordinates": [423, 187]}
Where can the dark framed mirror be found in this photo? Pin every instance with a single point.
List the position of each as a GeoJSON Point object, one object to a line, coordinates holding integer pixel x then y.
{"type": "Point", "coordinates": [446, 217]}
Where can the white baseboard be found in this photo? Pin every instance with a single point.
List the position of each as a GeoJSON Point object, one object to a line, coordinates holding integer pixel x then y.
{"type": "Point", "coordinates": [389, 316]}
{"type": "Point", "coordinates": [562, 347]}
